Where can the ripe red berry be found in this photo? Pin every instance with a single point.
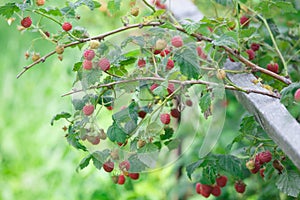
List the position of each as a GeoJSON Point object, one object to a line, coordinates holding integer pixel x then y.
{"type": "Point", "coordinates": [206, 190]}
{"type": "Point", "coordinates": [153, 86]}
{"type": "Point", "coordinates": [109, 107]}
{"type": "Point", "coordinates": [141, 63]}
{"type": "Point", "coordinates": [108, 166]}
{"type": "Point", "coordinates": [273, 67]}
{"type": "Point", "coordinates": [189, 103]}
{"type": "Point", "coordinates": [124, 165]}
{"type": "Point", "coordinates": [244, 21]}
{"type": "Point", "coordinates": [221, 181]}
{"type": "Point", "coordinates": [198, 188]}
{"type": "Point", "coordinates": [47, 33]}
{"type": "Point", "coordinates": [121, 179]}
{"type": "Point", "coordinates": [89, 54]}
{"type": "Point", "coordinates": [104, 64]}
{"type": "Point", "coordinates": [177, 41]}
{"type": "Point", "coordinates": [240, 186]}
{"type": "Point", "coordinates": [175, 113]}
{"type": "Point", "coordinates": [297, 95]}
{"type": "Point", "coordinates": [40, 2]}
{"type": "Point", "coordinates": [264, 157]}
{"type": "Point", "coordinates": [156, 51]}
{"type": "Point", "coordinates": [142, 114]}
{"type": "Point", "coordinates": [165, 118]}
{"type": "Point", "coordinates": [216, 191]}
{"type": "Point", "coordinates": [122, 144]}
{"type": "Point", "coordinates": [251, 54]}
{"type": "Point", "coordinates": [201, 53]}
{"type": "Point", "coordinates": [88, 109]}
{"type": "Point", "coordinates": [255, 46]}
{"type": "Point", "coordinates": [67, 26]}
{"type": "Point", "coordinates": [170, 64]}
{"type": "Point", "coordinates": [171, 88]}
{"type": "Point", "coordinates": [93, 139]}
{"type": "Point", "coordinates": [261, 172]}
{"type": "Point", "coordinates": [26, 22]}
{"type": "Point", "coordinates": [87, 64]}
{"type": "Point", "coordinates": [164, 52]}
{"type": "Point", "coordinates": [134, 176]}
{"type": "Point", "coordinates": [257, 166]}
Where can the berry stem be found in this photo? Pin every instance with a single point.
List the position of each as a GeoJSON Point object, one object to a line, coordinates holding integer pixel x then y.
{"type": "Point", "coordinates": [149, 6]}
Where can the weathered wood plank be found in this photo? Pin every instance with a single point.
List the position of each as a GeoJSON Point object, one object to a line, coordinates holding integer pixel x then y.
{"type": "Point", "coordinates": [268, 111]}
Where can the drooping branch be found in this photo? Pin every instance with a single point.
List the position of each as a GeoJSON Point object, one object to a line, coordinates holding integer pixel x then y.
{"type": "Point", "coordinates": [182, 83]}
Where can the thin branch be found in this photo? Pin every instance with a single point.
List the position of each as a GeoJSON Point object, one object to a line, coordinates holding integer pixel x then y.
{"type": "Point", "coordinates": [183, 83]}
{"type": "Point", "coordinates": [149, 6]}
{"type": "Point", "coordinates": [98, 37]}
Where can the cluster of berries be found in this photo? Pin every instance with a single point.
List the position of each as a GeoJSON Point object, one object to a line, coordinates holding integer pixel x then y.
{"type": "Point", "coordinates": [215, 190]}
{"type": "Point", "coordinates": [255, 164]}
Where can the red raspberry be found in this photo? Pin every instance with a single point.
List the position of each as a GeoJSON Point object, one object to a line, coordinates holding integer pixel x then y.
{"type": "Point", "coordinates": [201, 53]}
{"type": "Point", "coordinates": [164, 52]}
{"type": "Point", "coordinates": [26, 22]}
{"type": "Point", "coordinates": [40, 2]}
{"type": "Point", "coordinates": [165, 118]}
{"type": "Point", "coordinates": [171, 88]}
{"type": "Point", "coordinates": [104, 64]}
{"type": "Point", "coordinates": [156, 51]}
{"type": "Point", "coordinates": [221, 181]}
{"type": "Point", "coordinates": [264, 157]}
{"type": "Point", "coordinates": [108, 166]}
{"type": "Point", "coordinates": [67, 26]}
{"type": "Point", "coordinates": [134, 176]}
{"type": "Point", "coordinates": [159, 5]}
{"type": "Point", "coordinates": [155, 85]}
{"type": "Point", "coordinates": [257, 166]}
{"type": "Point", "coordinates": [216, 191]}
{"type": "Point", "coordinates": [109, 107]}
{"type": "Point", "coordinates": [121, 179]}
{"type": "Point", "coordinates": [261, 172]}
{"type": "Point", "coordinates": [273, 67]}
{"type": "Point", "coordinates": [198, 188]}
{"type": "Point", "coordinates": [175, 113]}
{"type": "Point", "coordinates": [177, 41]}
{"type": "Point", "coordinates": [122, 144]}
{"type": "Point", "coordinates": [93, 139]}
{"type": "Point", "coordinates": [189, 103]}
{"type": "Point", "coordinates": [89, 54]}
{"type": "Point", "coordinates": [297, 95]}
{"type": "Point", "coordinates": [255, 46]}
{"type": "Point", "coordinates": [141, 63]}
{"type": "Point", "coordinates": [142, 114]}
{"type": "Point", "coordinates": [47, 33]}
{"type": "Point", "coordinates": [244, 21]}
{"type": "Point", "coordinates": [124, 165]}
{"type": "Point", "coordinates": [251, 54]}
{"type": "Point", "coordinates": [88, 109]}
{"type": "Point", "coordinates": [87, 64]}
{"type": "Point", "coordinates": [206, 190]}
{"type": "Point", "coordinates": [240, 187]}
{"type": "Point", "coordinates": [170, 64]}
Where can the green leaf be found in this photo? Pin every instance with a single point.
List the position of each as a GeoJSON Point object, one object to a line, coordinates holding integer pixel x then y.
{"type": "Point", "coordinates": [68, 12]}
{"type": "Point", "coordinates": [74, 141]}
{"type": "Point", "coordinates": [191, 27]}
{"type": "Point", "coordinates": [289, 183]}
{"type": "Point", "coordinates": [245, 33]}
{"type": "Point", "coordinates": [149, 147]}
{"type": "Point", "coordinates": [168, 134]}
{"type": "Point", "coordinates": [63, 115]}
{"type": "Point", "coordinates": [116, 134]}
{"type": "Point", "coordinates": [84, 162]}
{"type": "Point", "coordinates": [236, 139]}
{"type": "Point", "coordinates": [153, 128]}
{"type": "Point", "coordinates": [273, 27]}
{"type": "Point", "coordinates": [205, 102]}
{"type": "Point", "coordinates": [270, 9]}
{"type": "Point", "coordinates": [51, 11]}
{"type": "Point", "coordinates": [187, 59]}
{"type": "Point", "coordinates": [287, 94]}
{"type": "Point", "coordinates": [192, 167]}
{"type": "Point", "coordinates": [113, 6]}
{"type": "Point", "coordinates": [101, 156]}
{"type": "Point", "coordinates": [224, 2]}
{"type": "Point", "coordinates": [209, 175]}
{"type": "Point", "coordinates": [227, 39]}
{"type": "Point", "coordinates": [8, 10]}
{"type": "Point", "coordinates": [172, 144]}
{"type": "Point", "coordinates": [248, 125]}
{"type": "Point", "coordinates": [90, 77]}
{"type": "Point", "coordinates": [77, 66]}
{"type": "Point", "coordinates": [231, 164]}
{"type": "Point", "coordinates": [136, 165]}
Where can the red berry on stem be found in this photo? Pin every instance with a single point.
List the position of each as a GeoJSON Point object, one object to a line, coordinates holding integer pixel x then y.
{"type": "Point", "coordinates": [121, 179]}
{"type": "Point", "coordinates": [206, 190]}
{"type": "Point", "coordinates": [124, 165]}
{"type": "Point", "coordinates": [87, 64]}
{"type": "Point", "coordinates": [104, 64]}
{"type": "Point", "coordinates": [255, 46]}
{"type": "Point", "coordinates": [142, 114]}
{"type": "Point", "coordinates": [164, 52]}
{"type": "Point", "coordinates": [257, 165]}
{"type": "Point", "coordinates": [198, 188]}
{"type": "Point", "coordinates": [261, 172]}
{"type": "Point", "coordinates": [297, 95]}
{"type": "Point", "coordinates": [108, 166]}
{"type": "Point", "coordinates": [170, 64]}
{"type": "Point", "coordinates": [134, 176]}
{"type": "Point", "coordinates": [88, 109]}
{"type": "Point", "coordinates": [67, 26]}
{"type": "Point", "coordinates": [273, 67]}
{"type": "Point", "coordinates": [177, 41]}
{"type": "Point", "coordinates": [26, 22]}
{"type": "Point", "coordinates": [89, 54]}
{"type": "Point", "coordinates": [153, 86]}
{"type": "Point", "coordinates": [165, 118]}
{"type": "Point", "coordinates": [244, 21]}
{"type": "Point", "coordinates": [175, 113]}
{"type": "Point", "coordinates": [189, 103]}
{"type": "Point", "coordinates": [171, 88]}
{"type": "Point", "coordinates": [141, 63]}
{"type": "Point", "coordinates": [251, 54]}
{"type": "Point", "coordinates": [222, 181]}
{"type": "Point", "coordinates": [216, 191]}
{"type": "Point", "coordinates": [264, 157]}
{"type": "Point", "coordinates": [201, 53]}
{"type": "Point", "coordinates": [93, 139]}
{"type": "Point", "coordinates": [240, 187]}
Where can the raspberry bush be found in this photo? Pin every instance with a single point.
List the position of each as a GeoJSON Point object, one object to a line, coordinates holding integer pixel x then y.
{"type": "Point", "coordinates": [135, 97]}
